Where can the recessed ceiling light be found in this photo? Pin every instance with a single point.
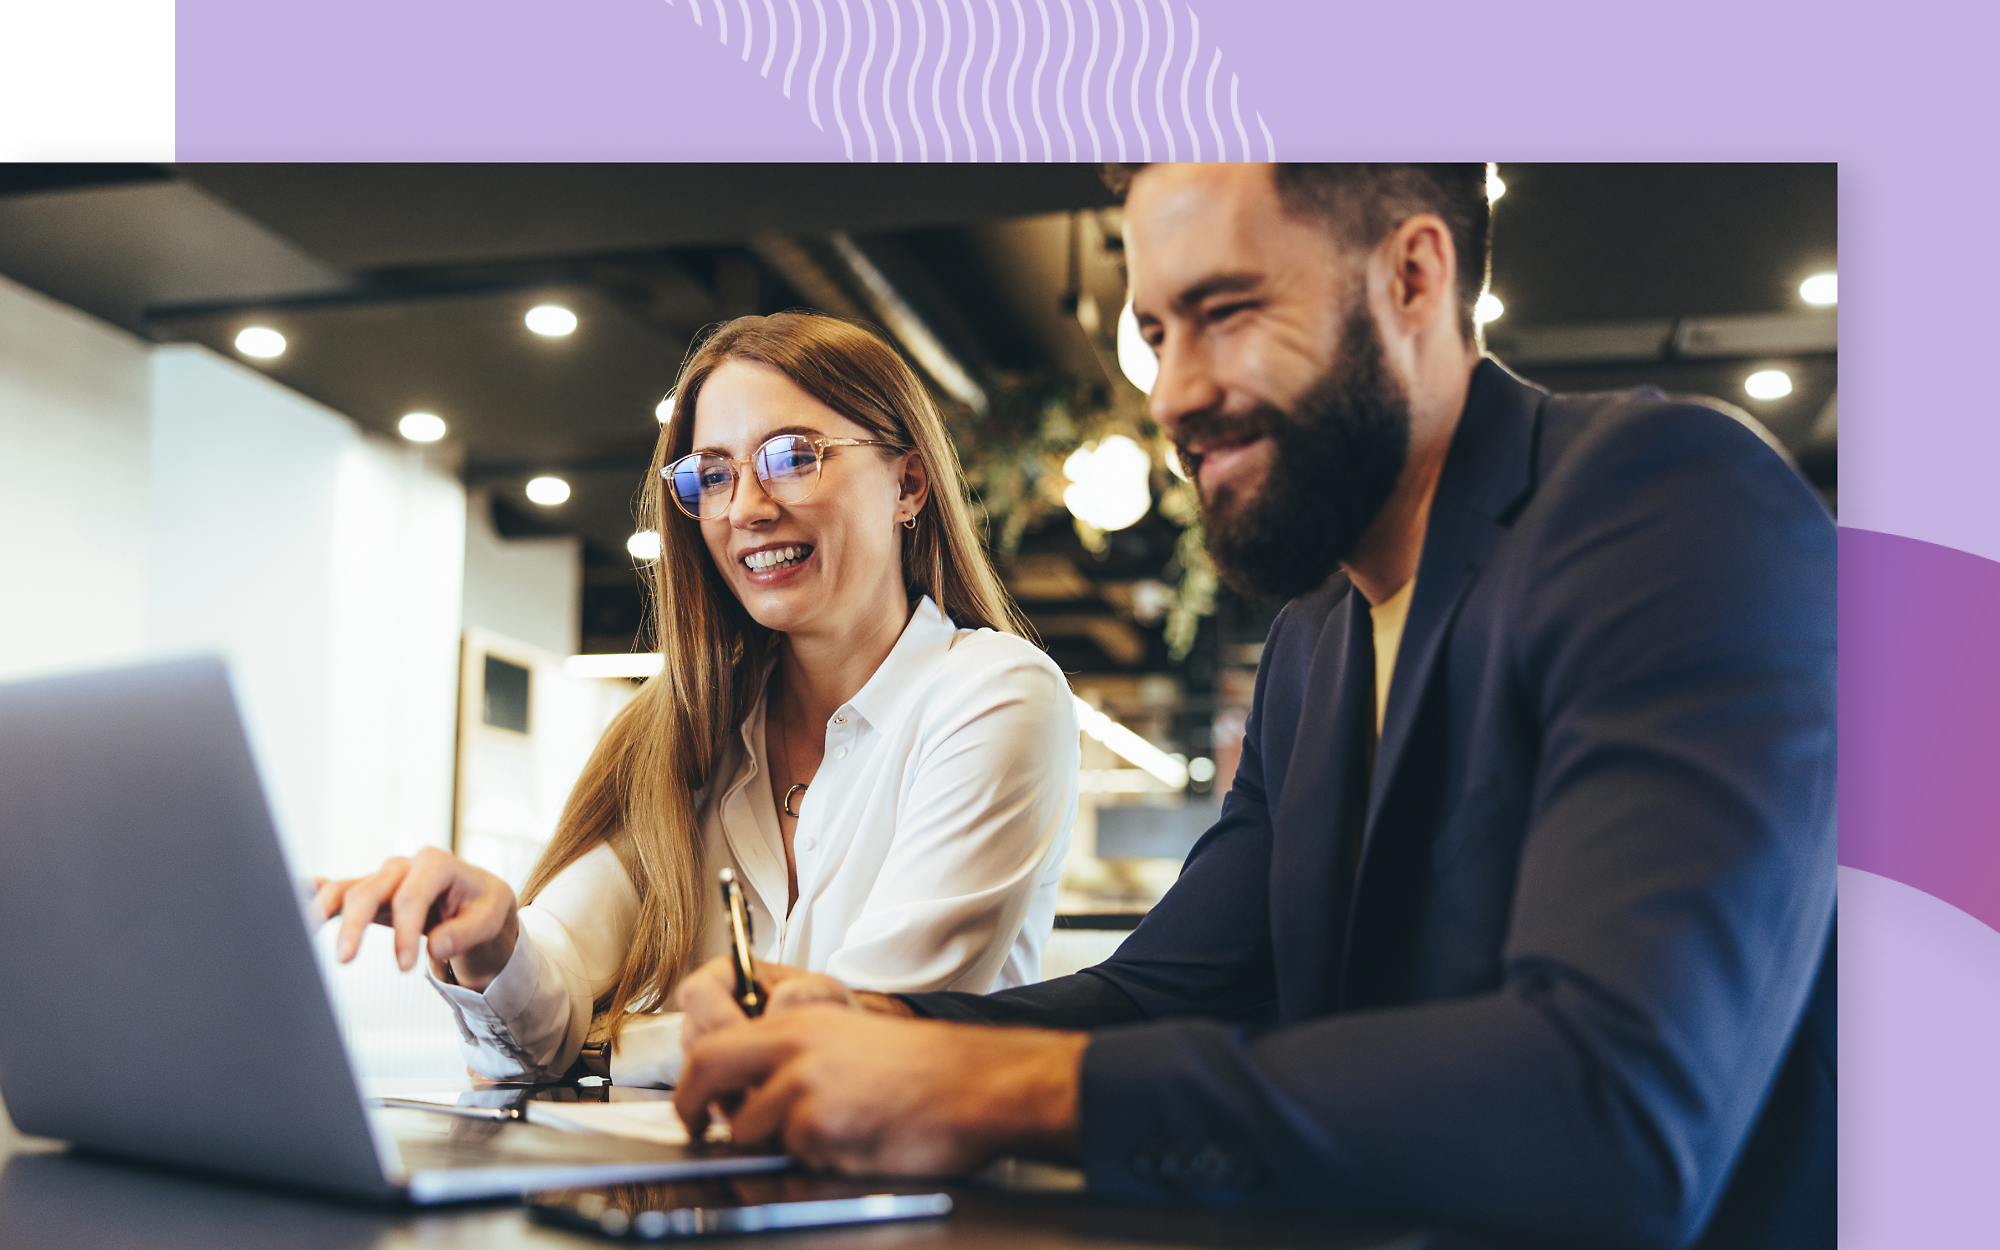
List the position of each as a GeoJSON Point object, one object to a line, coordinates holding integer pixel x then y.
{"type": "Point", "coordinates": [665, 410]}
{"type": "Point", "coordinates": [1494, 187]}
{"type": "Point", "coordinates": [261, 341]}
{"type": "Point", "coordinates": [1201, 769]}
{"type": "Point", "coordinates": [1489, 308]}
{"type": "Point", "coordinates": [421, 427]}
{"type": "Point", "coordinates": [644, 545]}
{"type": "Point", "coordinates": [552, 320]}
{"type": "Point", "coordinates": [1819, 290]}
{"type": "Point", "coordinates": [548, 491]}
{"type": "Point", "coordinates": [1768, 384]}
{"type": "Point", "coordinates": [1135, 355]}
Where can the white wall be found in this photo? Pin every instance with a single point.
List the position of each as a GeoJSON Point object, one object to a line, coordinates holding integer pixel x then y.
{"type": "Point", "coordinates": [72, 487]}
{"type": "Point", "coordinates": [529, 589]}
{"type": "Point", "coordinates": [325, 565]}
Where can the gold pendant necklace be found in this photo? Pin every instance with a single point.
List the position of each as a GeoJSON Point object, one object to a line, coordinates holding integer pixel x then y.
{"type": "Point", "coordinates": [798, 788]}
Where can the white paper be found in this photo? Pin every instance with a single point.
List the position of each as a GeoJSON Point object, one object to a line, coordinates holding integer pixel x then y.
{"type": "Point", "coordinates": [647, 1121]}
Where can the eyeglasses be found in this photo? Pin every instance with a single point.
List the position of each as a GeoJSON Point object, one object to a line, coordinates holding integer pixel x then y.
{"type": "Point", "coordinates": [703, 484]}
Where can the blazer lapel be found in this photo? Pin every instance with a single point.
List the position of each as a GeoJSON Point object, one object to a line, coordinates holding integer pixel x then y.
{"type": "Point", "coordinates": [1325, 787]}
{"type": "Point", "coordinates": [1487, 472]}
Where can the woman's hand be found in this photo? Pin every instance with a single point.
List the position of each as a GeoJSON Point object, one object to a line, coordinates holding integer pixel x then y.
{"type": "Point", "coordinates": [708, 994]}
{"type": "Point", "coordinates": [468, 914]}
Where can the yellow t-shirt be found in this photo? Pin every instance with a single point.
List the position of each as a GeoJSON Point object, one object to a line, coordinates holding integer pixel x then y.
{"type": "Point", "coordinates": [1388, 618]}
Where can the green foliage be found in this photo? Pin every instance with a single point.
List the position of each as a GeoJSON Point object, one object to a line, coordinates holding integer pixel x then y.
{"type": "Point", "coordinates": [1013, 456]}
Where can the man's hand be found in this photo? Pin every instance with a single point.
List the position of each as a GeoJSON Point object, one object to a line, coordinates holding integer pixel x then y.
{"type": "Point", "coordinates": [468, 914]}
{"type": "Point", "coordinates": [708, 995]}
{"type": "Point", "coordinates": [856, 1092]}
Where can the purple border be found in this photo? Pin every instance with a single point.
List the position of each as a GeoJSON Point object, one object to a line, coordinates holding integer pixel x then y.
{"type": "Point", "coordinates": [1903, 101]}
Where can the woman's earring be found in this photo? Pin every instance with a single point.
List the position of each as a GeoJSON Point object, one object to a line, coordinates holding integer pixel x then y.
{"type": "Point", "coordinates": [911, 523]}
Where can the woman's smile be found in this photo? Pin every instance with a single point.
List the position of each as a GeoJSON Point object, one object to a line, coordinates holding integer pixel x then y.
{"type": "Point", "coordinates": [775, 564]}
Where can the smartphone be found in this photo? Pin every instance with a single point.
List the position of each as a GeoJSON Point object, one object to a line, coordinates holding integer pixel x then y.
{"type": "Point", "coordinates": [725, 1205]}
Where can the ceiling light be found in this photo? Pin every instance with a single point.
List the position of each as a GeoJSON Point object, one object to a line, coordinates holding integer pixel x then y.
{"type": "Point", "coordinates": [1088, 315]}
{"type": "Point", "coordinates": [1489, 308]}
{"type": "Point", "coordinates": [1768, 384]}
{"type": "Point", "coordinates": [1135, 354]}
{"type": "Point", "coordinates": [1819, 290]}
{"type": "Point", "coordinates": [261, 341]}
{"type": "Point", "coordinates": [1131, 746]}
{"type": "Point", "coordinates": [552, 320]}
{"type": "Point", "coordinates": [1494, 187]}
{"type": "Point", "coordinates": [1201, 770]}
{"type": "Point", "coordinates": [1109, 483]}
{"type": "Point", "coordinates": [641, 664]}
{"type": "Point", "coordinates": [644, 545]}
{"type": "Point", "coordinates": [665, 410]}
{"type": "Point", "coordinates": [421, 427]}
{"type": "Point", "coordinates": [548, 491]}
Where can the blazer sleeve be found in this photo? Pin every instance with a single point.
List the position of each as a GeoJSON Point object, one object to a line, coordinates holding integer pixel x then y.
{"type": "Point", "coordinates": [1204, 950]}
{"type": "Point", "coordinates": [1675, 642]}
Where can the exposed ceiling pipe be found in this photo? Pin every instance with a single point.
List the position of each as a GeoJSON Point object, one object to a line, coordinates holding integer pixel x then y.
{"type": "Point", "coordinates": [797, 266]}
{"type": "Point", "coordinates": [902, 321]}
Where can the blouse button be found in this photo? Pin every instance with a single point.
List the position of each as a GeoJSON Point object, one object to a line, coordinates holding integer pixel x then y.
{"type": "Point", "coordinates": [805, 844]}
{"type": "Point", "coordinates": [840, 753]}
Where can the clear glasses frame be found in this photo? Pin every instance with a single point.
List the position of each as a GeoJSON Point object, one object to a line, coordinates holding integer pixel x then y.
{"type": "Point", "coordinates": [711, 479]}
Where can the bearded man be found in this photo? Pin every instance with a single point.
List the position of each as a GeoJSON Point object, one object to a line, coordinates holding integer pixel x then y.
{"type": "Point", "coordinates": [1519, 912]}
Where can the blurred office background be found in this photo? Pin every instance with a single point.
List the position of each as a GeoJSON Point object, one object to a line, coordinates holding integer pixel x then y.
{"type": "Point", "coordinates": [375, 433]}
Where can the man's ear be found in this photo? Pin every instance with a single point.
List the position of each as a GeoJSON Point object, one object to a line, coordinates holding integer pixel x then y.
{"type": "Point", "coordinates": [1423, 276]}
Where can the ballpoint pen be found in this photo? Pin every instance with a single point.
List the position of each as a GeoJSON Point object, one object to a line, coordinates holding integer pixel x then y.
{"type": "Point", "coordinates": [749, 993]}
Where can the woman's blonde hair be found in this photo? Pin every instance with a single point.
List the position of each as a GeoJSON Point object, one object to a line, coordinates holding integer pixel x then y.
{"type": "Point", "coordinates": [663, 748]}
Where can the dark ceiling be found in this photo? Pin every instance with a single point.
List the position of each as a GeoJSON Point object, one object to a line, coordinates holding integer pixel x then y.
{"type": "Point", "coordinates": [402, 287]}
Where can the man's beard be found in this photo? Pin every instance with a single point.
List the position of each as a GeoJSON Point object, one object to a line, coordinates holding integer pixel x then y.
{"type": "Point", "coordinates": [1335, 459]}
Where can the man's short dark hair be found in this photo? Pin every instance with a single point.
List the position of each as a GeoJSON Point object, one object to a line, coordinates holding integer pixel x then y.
{"type": "Point", "coordinates": [1363, 203]}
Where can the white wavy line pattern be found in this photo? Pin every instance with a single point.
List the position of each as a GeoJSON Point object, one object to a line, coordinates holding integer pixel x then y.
{"type": "Point", "coordinates": [1013, 76]}
{"type": "Point", "coordinates": [1111, 80]}
{"type": "Point", "coordinates": [1187, 72]}
{"type": "Point", "coordinates": [1035, 87]}
{"type": "Point", "coordinates": [917, 59]}
{"type": "Point", "coordinates": [971, 140]}
{"type": "Point", "coordinates": [798, 44]}
{"type": "Point", "coordinates": [1121, 106]}
{"type": "Point", "coordinates": [861, 81]}
{"type": "Point", "coordinates": [839, 69]}
{"type": "Point", "coordinates": [1083, 88]}
{"type": "Point", "coordinates": [986, 86]}
{"type": "Point", "coordinates": [1160, 81]}
{"type": "Point", "coordinates": [1145, 46]}
{"type": "Point", "coordinates": [1062, 77]}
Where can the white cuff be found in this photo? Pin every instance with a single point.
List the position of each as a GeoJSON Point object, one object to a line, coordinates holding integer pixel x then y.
{"type": "Point", "coordinates": [516, 1028]}
{"type": "Point", "coordinates": [648, 1050]}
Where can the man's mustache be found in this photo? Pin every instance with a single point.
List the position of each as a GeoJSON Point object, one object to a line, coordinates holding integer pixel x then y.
{"type": "Point", "coordinates": [1213, 429]}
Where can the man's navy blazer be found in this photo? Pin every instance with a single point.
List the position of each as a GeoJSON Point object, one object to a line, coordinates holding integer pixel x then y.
{"type": "Point", "coordinates": [1561, 965]}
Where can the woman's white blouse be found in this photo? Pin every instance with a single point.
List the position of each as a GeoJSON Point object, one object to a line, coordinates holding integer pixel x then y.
{"type": "Point", "coordinates": [929, 848]}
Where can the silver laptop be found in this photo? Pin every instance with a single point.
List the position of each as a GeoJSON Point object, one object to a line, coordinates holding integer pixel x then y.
{"type": "Point", "coordinates": [159, 995]}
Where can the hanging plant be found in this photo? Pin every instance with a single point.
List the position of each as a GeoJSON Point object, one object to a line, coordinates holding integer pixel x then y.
{"type": "Point", "coordinates": [1013, 455]}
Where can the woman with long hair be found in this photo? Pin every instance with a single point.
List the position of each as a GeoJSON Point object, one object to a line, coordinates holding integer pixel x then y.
{"type": "Point", "coordinates": [848, 716]}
